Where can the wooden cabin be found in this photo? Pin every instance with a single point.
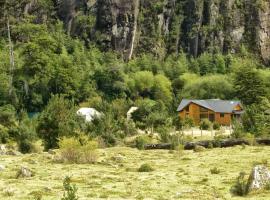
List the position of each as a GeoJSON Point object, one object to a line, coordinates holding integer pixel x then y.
{"type": "Point", "coordinates": [216, 110]}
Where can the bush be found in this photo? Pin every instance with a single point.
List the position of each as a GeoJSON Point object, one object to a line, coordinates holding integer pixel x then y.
{"type": "Point", "coordinates": [57, 120]}
{"type": "Point", "coordinates": [216, 126]}
{"type": "Point", "coordinates": [25, 146]}
{"type": "Point", "coordinates": [141, 141]}
{"type": "Point", "coordinates": [145, 168]}
{"type": "Point", "coordinates": [72, 151]}
{"type": "Point", "coordinates": [240, 186]}
{"type": "Point", "coordinates": [70, 190]}
{"type": "Point", "coordinates": [215, 170]}
{"type": "Point", "coordinates": [205, 124]}
{"type": "Point", "coordinates": [3, 134]}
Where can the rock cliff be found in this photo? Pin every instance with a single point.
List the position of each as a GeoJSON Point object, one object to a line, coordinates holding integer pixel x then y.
{"type": "Point", "coordinates": [162, 27]}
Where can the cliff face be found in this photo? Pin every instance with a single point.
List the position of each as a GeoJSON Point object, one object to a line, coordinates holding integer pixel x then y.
{"type": "Point", "coordinates": [161, 27]}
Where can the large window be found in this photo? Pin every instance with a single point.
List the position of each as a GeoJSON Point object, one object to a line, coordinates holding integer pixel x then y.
{"type": "Point", "coordinates": [204, 116]}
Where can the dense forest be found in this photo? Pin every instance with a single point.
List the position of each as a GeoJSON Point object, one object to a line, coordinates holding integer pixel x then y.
{"type": "Point", "coordinates": [58, 55]}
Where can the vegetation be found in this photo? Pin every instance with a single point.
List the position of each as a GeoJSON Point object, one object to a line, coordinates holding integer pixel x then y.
{"type": "Point", "coordinates": [70, 190]}
{"type": "Point", "coordinates": [110, 179]}
{"type": "Point", "coordinates": [145, 168]}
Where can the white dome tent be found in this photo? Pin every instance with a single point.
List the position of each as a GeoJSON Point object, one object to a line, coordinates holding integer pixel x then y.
{"type": "Point", "coordinates": [89, 114]}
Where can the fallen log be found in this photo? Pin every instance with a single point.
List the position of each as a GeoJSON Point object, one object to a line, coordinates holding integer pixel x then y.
{"type": "Point", "coordinates": [208, 144]}
{"type": "Point", "coordinates": [158, 146]}
{"type": "Point", "coordinates": [263, 141]}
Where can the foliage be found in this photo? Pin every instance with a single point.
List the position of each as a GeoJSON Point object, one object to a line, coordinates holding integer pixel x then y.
{"type": "Point", "coordinates": [215, 170]}
{"type": "Point", "coordinates": [240, 186]}
{"type": "Point", "coordinates": [141, 141]}
{"type": "Point", "coordinates": [70, 190]}
{"type": "Point", "coordinates": [73, 150]}
{"type": "Point", "coordinates": [57, 120]}
{"type": "Point", "coordinates": [205, 124]}
{"type": "Point", "coordinates": [249, 85]}
{"type": "Point", "coordinates": [216, 126]}
{"type": "Point", "coordinates": [145, 168]}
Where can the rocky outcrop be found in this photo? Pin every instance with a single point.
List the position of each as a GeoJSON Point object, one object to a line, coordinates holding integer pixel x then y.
{"type": "Point", "coordinates": [264, 30]}
{"type": "Point", "coordinates": [258, 179]}
{"type": "Point", "coordinates": [161, 27]}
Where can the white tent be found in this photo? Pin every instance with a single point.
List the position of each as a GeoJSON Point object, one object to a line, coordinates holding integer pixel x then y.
{"type": "Point", "coordinates": [89, 113]}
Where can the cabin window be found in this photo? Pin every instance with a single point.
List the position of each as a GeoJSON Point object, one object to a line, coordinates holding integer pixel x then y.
{"type": "Point", "coordinates": [187, 108]}
{"type": "Point", "coordinates": [222, 114]}
{"type": "Point", "coordinates": [203, 116]}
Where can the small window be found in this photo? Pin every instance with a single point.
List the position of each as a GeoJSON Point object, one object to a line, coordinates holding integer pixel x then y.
{"type": "Point", "coordinates": [222, 114]}
{"type": "Point", "coordinates": [187, 108]}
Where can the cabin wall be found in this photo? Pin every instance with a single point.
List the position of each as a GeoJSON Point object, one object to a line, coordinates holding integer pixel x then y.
{"type": "Point", "coordinates": [194, 114]}
{"type": "Point", "coordinates": [226, 120]}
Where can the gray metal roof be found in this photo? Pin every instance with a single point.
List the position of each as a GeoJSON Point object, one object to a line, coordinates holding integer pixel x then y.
{"type": "Point", "coordinates": [217, 105]}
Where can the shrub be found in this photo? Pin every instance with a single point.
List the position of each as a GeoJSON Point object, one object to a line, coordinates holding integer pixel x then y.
{"type": "Point", "coordinates": [25, 146]}
{"type": "Point", "coordinates": [215, 170]}
{"type": "Point", "coordinates": [70, 190]}
{"type": "Point", "coordinates": [57, 120]}
{"type": "Point", "coordinates": [205, 124]}
{"type": "Point", "coordinates": [72, 151]}
{"type": "Point", "coordinates": [145, 168]}
{"type": "Point", "coordinates": [3, 134]}
{"type": "Point", "coordinates": [88, 152]}
{"type": "Point", "coordinates": [216, 126]}
{"type": "Point", "coordinates": [141, 141]}
{"type": "Point", "coordinates": [240, 186]}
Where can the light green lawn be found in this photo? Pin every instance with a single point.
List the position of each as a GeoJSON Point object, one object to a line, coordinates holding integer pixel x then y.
{"type": "Point", "coordinates": [175, 177]}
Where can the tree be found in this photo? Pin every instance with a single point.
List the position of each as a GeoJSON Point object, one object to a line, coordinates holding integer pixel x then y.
{"type": "Point", "coordinates": [249, 85]}
{"type": "Point", "coordinates": [57, 120]}
{"type": "Point", "coordinates": [162, 89]}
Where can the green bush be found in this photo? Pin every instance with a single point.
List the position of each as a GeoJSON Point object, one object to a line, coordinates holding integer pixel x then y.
{"type": "Point", "coordinates": [215, 170]}
{"type": "Point", "coordinates": [72, 151]}
{"type": "Point", "coordinates": [25, 146]}
{"type": "Point", "coordinates": [57, 120]}
{"type": "Point", "coordinates": [141, 141]}
{"type": "Point", "coordinates": [70, 190]}
{"type": "Point", "coordinates": [145, 168]}
{"type": "Point", "coordinates": [4, 136]}
{"type": "Point", "coordinates": [240, 186]}
{"type": "Point", "coordinates": [216, 126]}
{"type": "Point", "coordinates": [205, 124]}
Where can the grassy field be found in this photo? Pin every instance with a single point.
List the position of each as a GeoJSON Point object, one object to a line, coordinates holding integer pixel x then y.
{"type": "Point", "coordinates": [115, 176]}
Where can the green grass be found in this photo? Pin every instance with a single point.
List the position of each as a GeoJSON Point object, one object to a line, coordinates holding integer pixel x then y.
{"type": "Point", "coordinates": [185, 176]}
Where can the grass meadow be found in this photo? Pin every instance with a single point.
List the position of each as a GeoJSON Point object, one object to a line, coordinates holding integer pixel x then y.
{"type": "Point", "coordinates": [176, 175]}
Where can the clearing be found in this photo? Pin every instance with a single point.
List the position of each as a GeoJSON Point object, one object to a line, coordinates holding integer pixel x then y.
{"type": "Point", "coordinates": [115, 176]}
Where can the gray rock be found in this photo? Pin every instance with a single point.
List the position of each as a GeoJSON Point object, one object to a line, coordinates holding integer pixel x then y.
{"type": "Point", "coordinates": [2, 168]}
{"type": "Point", "coordinates": [24, 172]}
{"type": "Point", "coordinates": [3, 149]}
{"type": "Point", "coordinates": [259, 178]}
{"type": "Point", "coordinates": [118, 158]}
{"type": "Point", "coordinates": [13, 153]}
{"type": "Point", "coordinates": [51, 151]}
